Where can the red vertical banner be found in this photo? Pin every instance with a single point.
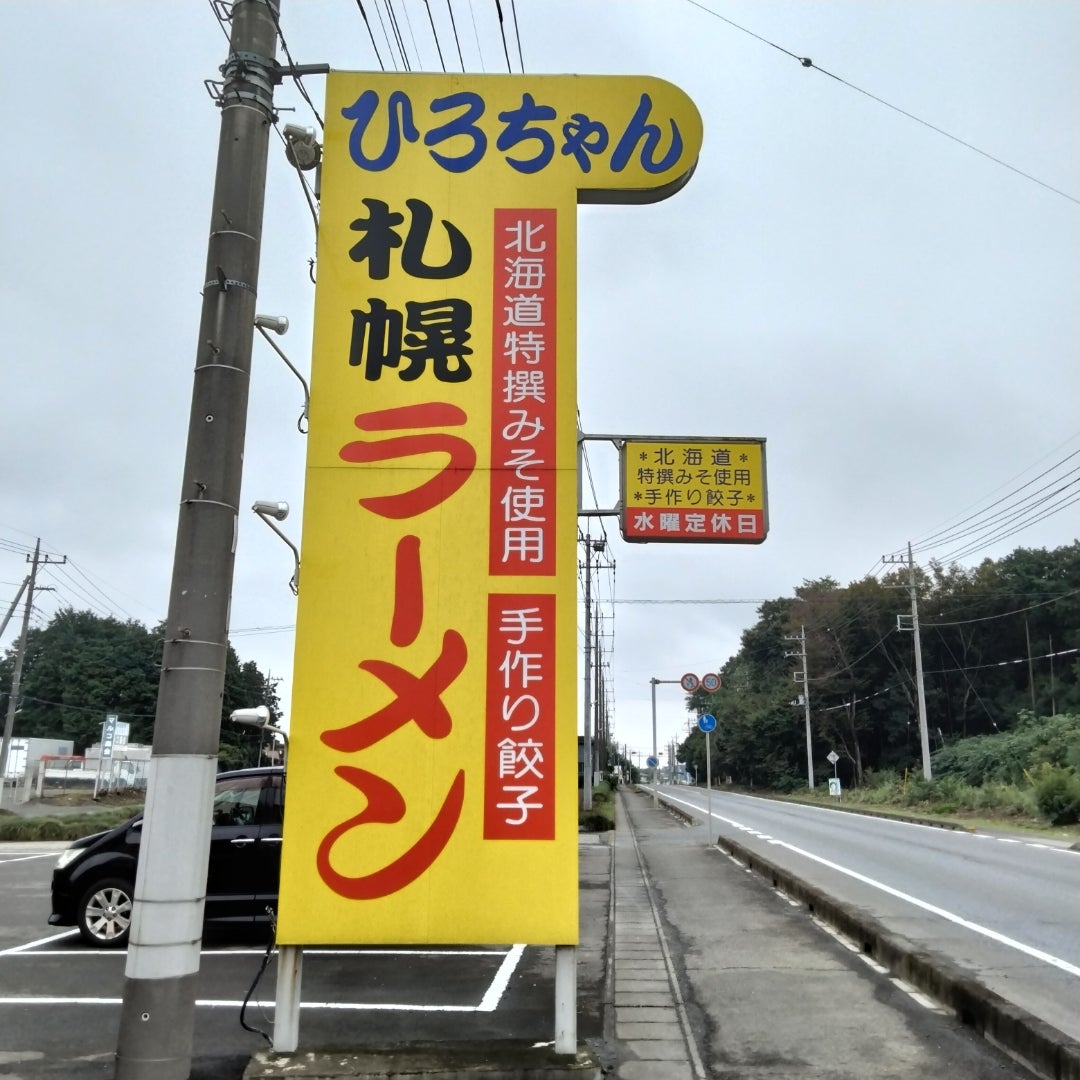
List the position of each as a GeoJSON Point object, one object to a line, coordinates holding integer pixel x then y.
{"type": "Point", "coordinates": [523, 428]}
{"type": "Point", "coordinates": [519, 735]}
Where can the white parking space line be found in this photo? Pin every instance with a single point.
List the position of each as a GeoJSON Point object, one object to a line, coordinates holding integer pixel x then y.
{"type": "Point", "coordinates": [18, 949]}
{"type": "Point", "coordinates": [490, 1001]}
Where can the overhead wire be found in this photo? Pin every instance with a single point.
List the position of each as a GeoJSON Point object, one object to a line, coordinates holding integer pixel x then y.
{"type": "Point", "coordinates": [951, 533]}
{"type": "Point", "coordinates": [371, 33]}
{"type": "Point", "coordinates": [476, 35]}
{"type": "Point", "coordinates": [435, 34]}
{"type": "Point", "coordinates": [502, 34]}
{"type": "Point", "coordinates": [996, 537]}
{"type": "Point", "coordinates": [924, 541]}
{"type": "Point", "coordinates": [386, 36]}
{"type": "Point", "coordinates": [517, 35]}
{"type": "Point", "coordinates": [412, 35]}
{"type": "Point", "coordinates": [392, 18]}
{"type": "Point", "coordinates": [457, 40]}
{"type": "Point", "coordinates": [806, 62]}
{"type": "Point", "coordinates": [295, 78]}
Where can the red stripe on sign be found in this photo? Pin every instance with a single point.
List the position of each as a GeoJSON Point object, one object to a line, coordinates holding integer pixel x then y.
{"type": "Point", "coordinates": [523, 361]}
{"type": "Point", "coordinates": [519, 734]}
{"type": "Point", "coordinates": [680, 524]}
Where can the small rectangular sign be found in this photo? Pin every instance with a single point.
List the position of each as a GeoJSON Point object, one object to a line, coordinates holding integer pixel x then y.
{"type": "Point", "coordinates": [694, 490]}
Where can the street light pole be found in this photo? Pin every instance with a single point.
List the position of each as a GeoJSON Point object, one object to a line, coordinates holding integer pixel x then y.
{"type": "Point", "coordinates": [655, 792]}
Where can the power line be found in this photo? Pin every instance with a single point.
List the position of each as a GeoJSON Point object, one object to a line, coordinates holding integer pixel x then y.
{"type": "Point", "coordinates": [371, 33]}
{"type": "Point", "coordinates": [948, 534]}
{"type": "Point", "coordinates": [295, 78]}
{"type": "Point", "coordinates": [502, 34]}
{"type": "Point", "coordinates": [1004, 614]}
{"type": "Point", "coordinates": [435, 34]}
{"type": "Point", "coordinates": [806, 62]}
{"type": "Point", "coordinates": [457, 40]}
{"type": "Point", "coordinates": [998, 536]}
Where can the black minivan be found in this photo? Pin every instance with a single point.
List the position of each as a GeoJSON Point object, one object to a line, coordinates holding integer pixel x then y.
{"type": "Point", "coordinates": [93, 884]}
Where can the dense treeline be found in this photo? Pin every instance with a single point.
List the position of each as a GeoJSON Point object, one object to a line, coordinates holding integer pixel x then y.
{"type": "Point", "coordinates": [82, 666]}
{"type": "Point", "coordinates": [997, 640]}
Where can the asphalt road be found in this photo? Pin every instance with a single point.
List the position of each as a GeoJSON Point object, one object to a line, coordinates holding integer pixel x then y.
{"type": "Point", "coordinates": [60, 1000]}
{"type": "Point", "coordinates": [770, 994]}
{"type": "Point", "coordinates": [1004, 908]}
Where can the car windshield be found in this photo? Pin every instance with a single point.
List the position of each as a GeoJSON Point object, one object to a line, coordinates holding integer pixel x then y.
{"type": "Point", "coordinates": [237, 801]}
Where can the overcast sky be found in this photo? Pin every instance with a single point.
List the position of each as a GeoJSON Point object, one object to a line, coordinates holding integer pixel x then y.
{"type": "Point", "coordinates": [893, 311]}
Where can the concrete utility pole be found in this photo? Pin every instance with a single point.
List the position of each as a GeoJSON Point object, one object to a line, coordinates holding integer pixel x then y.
{"type": "Point", "coordinates": [586, 744]}
{"type": "Point", "coordinates": [802, 679]}
{"type": "Point", "coordinates": [587, 755]}
{"type": "Point", "coordinates": [158, 1013]}
{"type": "Point", "coordinates": [20, 654]}
{"type": "Point", "coordinates": [924, 735]}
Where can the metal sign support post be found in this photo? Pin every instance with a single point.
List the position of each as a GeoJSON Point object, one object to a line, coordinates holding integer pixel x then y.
{"type": "Point", "coordinates": [708, 781]}
{"type": "Point", "coordinates": [565, 999]}
{"type": "Point", "coordinates": [706, 723]}
{"type": "Point", "coordinates": [290, 966]}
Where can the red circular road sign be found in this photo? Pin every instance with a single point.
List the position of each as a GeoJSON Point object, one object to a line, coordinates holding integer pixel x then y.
{"type": "Point", "coordinates": [689, 682]}
{"type": "Point", "coordinates": [710, 682]}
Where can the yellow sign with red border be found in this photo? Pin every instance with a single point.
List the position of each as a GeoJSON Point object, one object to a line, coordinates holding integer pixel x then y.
{"type": "Point", "coordinates": [432, 779]}
{"type": "Point", "coordinates": [694, 490]}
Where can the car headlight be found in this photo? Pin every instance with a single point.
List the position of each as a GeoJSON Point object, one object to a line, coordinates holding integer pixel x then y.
{"type": "Point", "coordinates": [66, 856]}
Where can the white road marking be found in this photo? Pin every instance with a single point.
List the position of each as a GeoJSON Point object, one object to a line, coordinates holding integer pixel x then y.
{"type": "Point", "coordinates": [488, 1003]}
{"type": "Point", "coordinates": [495, 991]}
{"type": "Point", "coordinates": [959, 920]}
{"type": "Point", "coordinates": [23, 858]}
{"type": "Point", "coordinates": [40, 941]}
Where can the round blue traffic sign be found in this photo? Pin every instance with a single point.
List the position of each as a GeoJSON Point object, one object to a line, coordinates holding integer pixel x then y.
{"type": "Point", "coordinates": [707, 722]}
{"type": "Point", "coordinates": [652, 762]}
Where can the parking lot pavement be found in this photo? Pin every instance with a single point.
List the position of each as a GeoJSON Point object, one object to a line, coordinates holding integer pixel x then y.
{"type": "Point", "coordinates": [60, 1001]}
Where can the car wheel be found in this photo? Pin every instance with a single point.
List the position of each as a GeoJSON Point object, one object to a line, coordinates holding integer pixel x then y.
{"type": "Point", "coordinates": [105, 913]}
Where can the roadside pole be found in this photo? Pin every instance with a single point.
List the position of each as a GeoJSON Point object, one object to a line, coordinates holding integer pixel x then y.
{"type": "Point", "coordinates": [708, 779]}
{"type": "Point", "coordinates": [156, 1034]}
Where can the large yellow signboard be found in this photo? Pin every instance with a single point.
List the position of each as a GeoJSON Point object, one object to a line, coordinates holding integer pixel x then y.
{"type": "Point", "coordinates": [694, 490]}
{"type": "Point", "coordinates": [432, 784]}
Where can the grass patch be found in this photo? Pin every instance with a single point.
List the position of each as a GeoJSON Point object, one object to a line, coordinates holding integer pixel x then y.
{"type": "Point", "coordinates": [62, 826]}
{"type": "Point", "coordinates": [602, 815]}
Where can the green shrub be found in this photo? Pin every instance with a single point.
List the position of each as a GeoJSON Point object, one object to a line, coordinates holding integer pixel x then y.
{"type": "Point", "coordinates": [593, 821]}
{"type": "Point", "coordinates": [1057, 794]}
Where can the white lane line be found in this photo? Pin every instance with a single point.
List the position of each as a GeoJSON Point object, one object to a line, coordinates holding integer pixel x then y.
{"type": "Point", "coordinates": [23, 858]}
{"type": "Point", "coordinates": [959, 920]}
{"type": "Point", "coordinates": [495, 991]}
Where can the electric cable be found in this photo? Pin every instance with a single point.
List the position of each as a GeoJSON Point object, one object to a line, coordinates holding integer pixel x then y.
{"type": "Point", "coordinates": [457, 40]}
{"type": "Point", "coordinates": [371, 33]}
{"type": "Point", "coordinates": [806, 62]}
{"type": "Point", "coordinates": [258, 975]}
{"type": "Point", "coordinates": [502, 33]}
{"type": "Point", "coordinates": [295, 78]}
{"type": "Point", "coordinates": [517, 35]}
{"type": "Point", "coordinates": [435, 34]}
{"type": "Point", "coordinates": [476, 35]}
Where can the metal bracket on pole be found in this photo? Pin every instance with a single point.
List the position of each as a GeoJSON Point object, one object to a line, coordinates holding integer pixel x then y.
{"type": "Point", "coordinates": [565, 999]}
{"type": "Point", "coordinates": [290, 966]}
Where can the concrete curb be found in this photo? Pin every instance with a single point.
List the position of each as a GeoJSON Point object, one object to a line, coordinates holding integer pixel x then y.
{"type": "Point", "coordinates": [1031, 1041]}
{"type": "Point", "coordinates": [507, 1060]}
